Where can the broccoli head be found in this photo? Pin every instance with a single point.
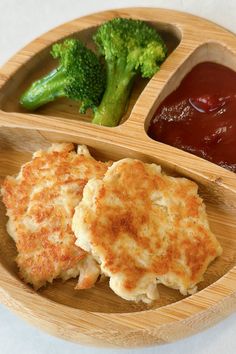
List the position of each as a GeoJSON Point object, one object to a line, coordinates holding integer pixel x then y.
{"type": "Point", "coordinates": [79, 76]}
{"type": "Point", "coordinates": [130, 47]}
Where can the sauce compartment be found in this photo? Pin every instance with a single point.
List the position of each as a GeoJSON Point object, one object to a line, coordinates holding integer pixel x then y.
{"type": "Point", "coordinates": [201, 106]}
{"type": "Point", "coordinates": [199, 117]}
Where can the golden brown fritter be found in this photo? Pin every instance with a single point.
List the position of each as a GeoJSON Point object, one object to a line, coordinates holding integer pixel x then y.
{"type": "Point", "coordinates": [40, 203]}
{"type": "Point", "coordinates": [145, 228]}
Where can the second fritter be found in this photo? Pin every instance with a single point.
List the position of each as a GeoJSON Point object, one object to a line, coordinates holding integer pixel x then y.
{"type": "Point", "coordinates": [143, 228]}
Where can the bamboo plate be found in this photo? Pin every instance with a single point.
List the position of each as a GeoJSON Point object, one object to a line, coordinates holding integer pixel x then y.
{"type": "Point", "coordinates": [97, 316]}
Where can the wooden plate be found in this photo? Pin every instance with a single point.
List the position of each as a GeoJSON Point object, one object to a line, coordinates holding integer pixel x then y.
{"type": "Point", "coordinates": [97, 316]}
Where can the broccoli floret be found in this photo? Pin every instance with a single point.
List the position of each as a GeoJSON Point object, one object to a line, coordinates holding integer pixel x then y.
{"type": "Point", "coordinates": [79, 76]}
{"type": "Point", "coordinates": [130, 47]}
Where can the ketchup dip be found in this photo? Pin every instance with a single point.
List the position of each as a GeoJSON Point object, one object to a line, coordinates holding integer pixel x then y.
{"type": "Point", "coordinates": [200, 115]}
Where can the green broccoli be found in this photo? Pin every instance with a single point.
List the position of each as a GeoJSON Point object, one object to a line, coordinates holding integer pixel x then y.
{"type": "Point", "coordinates": [79, 76]}
{"type": "Point", "coordinates": [130, 47]}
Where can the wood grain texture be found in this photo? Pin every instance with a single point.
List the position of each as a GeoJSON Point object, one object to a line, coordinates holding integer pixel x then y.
{"type": "Point", "coordinates": [97, 316]}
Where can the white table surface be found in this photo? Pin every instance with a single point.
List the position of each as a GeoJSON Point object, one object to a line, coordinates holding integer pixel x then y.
{"type": "Point", "coordinates": [20, 22]}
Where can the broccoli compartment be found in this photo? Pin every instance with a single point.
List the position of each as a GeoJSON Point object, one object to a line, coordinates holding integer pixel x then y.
{"type": "Point", "coordinates": [126, 49]}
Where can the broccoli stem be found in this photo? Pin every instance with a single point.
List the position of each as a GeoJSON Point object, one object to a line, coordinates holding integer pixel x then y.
{"type": "Point", "coordinates": [115, 99]}
{"type": "Point", "coordinates": [45, 90]}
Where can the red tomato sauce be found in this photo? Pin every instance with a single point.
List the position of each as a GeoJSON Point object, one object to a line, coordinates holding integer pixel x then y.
{"type": "Point", "coordinates": [200, 115]}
